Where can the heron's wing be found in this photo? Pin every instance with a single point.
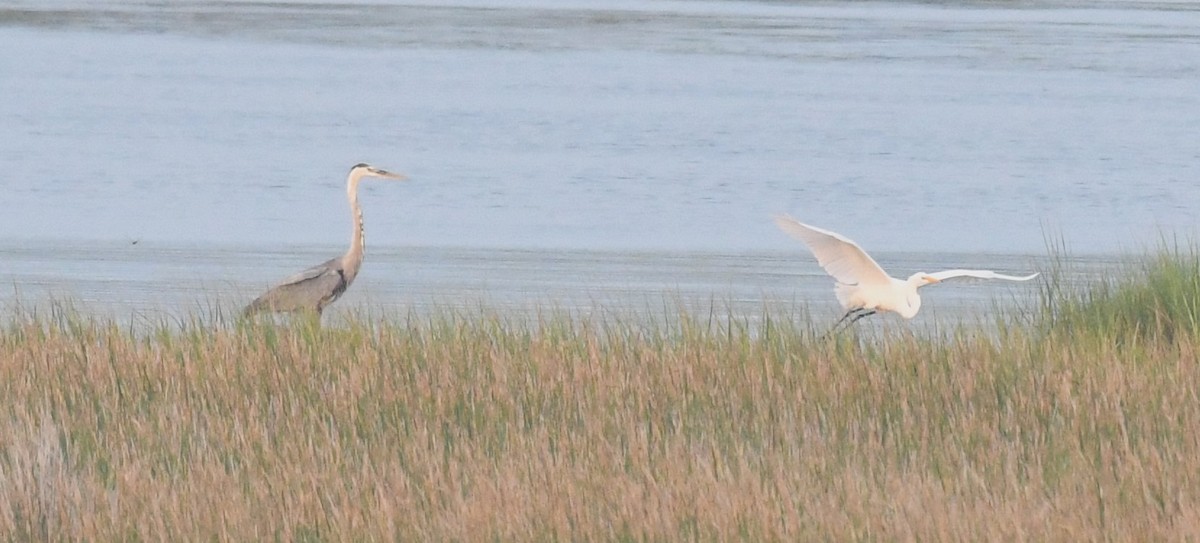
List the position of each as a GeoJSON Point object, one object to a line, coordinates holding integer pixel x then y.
{"type": "Point", "coordinates": [978, 274]}
{"type": "Point", "coordinates": [310, 289]}
{"type": "Point", "coordinates": [324, 268]}
{"type": "Point", "coordinates": [840, 257]}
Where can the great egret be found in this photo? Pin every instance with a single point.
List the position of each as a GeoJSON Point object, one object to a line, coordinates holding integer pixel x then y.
{"type": "Point", "coordinates": [320, 285]}
{"type": "Point", "coordinates": [862, 287]}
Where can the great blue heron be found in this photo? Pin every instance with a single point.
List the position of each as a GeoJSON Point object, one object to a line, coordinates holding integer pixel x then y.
{"type": "Point", "coordinates": [320, 285]}
{"type": "Point", "coordinates": [862, 287]}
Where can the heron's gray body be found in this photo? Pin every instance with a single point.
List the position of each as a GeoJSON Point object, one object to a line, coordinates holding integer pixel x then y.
{"type": "Point", "coordinates": [317, 287]}
{"type": "Point", "coordinates": [309, 290]}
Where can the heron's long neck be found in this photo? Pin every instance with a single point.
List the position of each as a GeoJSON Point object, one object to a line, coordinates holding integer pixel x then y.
{"type": "Point", "coordinates": [354, 256]}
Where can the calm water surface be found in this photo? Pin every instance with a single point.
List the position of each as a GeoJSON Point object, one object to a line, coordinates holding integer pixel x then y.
{"type": "Point", "coordinates": [583, 152]}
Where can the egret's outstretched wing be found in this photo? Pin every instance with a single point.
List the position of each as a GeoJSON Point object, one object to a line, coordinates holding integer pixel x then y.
{"type": "Point", "coordinates": [840, 257]}
{"type": "Point", "coordinates": [978, 274]}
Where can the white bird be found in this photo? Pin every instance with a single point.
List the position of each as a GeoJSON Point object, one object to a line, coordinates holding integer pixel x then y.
{"type": "Point", "coordinates": [863, 288]}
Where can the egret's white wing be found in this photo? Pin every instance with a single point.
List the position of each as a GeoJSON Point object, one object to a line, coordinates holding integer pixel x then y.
{"type": "Point", "coordinates": [840, 257]}
{"type": "Point", "coordinates": [978, 274]}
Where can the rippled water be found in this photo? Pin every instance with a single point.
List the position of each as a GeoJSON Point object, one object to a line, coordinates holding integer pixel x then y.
{"type": "Point", "coordinates": [578, 151]}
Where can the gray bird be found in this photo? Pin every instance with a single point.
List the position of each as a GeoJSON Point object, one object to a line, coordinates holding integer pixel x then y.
{"type": "Point", "coordinates": [320, 285]}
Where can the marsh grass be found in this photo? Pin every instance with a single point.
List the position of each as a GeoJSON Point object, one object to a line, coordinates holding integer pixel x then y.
{"type": "Point", "coordinates": [1078, 422]}
{"type": "Point", "coordinates": [1152, 299]}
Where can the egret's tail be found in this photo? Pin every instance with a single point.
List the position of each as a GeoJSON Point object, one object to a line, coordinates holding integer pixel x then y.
{"type": "Point", "coordinates": [844, 294]}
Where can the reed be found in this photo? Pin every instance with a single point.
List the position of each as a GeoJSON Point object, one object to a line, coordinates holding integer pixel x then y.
{"type": "Point", "coordinates": [1078, 422]}
{"type": "Point", "coordinates": [1152, 299]}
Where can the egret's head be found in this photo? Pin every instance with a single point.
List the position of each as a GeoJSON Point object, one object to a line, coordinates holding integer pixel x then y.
{"type": "Point", "coordinates": [921, 279]}
{"type": "Point", "coordinates": [360, 170]}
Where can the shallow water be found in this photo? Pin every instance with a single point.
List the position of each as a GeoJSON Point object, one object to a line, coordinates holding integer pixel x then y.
{"type": "Point", "coordinates": [569, 151]}
{"type": "Point", "coordinates": [179, 281]}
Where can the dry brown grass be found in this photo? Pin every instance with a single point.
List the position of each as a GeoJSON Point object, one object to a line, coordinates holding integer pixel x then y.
{"type": "Point", "coordinates": [471, 427]}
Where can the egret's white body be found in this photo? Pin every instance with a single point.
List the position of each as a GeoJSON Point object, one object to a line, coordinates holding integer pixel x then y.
{"type": "Point", "coordinates": [862, 285]}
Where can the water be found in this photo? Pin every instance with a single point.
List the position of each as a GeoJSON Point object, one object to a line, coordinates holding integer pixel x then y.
{"type": "Point", "coordinates": [149, 283]}
{"type": "Point", "coordinates": [582, 152]}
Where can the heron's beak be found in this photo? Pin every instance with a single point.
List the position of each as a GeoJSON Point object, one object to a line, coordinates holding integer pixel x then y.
{"type": "Point", "coordinates": [931, 279]}
{"type": "Point", "coordinates": [389, 175]}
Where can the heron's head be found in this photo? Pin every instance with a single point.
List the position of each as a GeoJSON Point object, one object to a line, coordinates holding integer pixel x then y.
{"type": "Point", "coordinates": [921, 279]}
{"type": "Point", "coordinates": [360, 170]}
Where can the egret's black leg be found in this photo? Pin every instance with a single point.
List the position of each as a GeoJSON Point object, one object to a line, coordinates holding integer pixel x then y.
{"type": "Point", "coordinates": [861, 315]}
{"type": "Point", "coordinates": [834, 328]}
{"type": "Point", "coordinates": [847, 315]}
